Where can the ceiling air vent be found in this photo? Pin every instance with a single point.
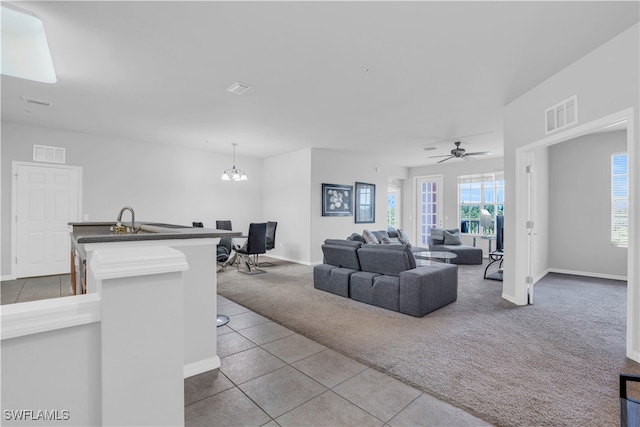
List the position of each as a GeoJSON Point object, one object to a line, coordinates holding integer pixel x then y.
{"type": "Point", "coordinates": [42, 102]}
{"type": "Point", "coordinates": [238, 88]}
{"type": "Point", "coordinates": [562, 115]}
{"type": "Point", "coordinates": [42, 153]}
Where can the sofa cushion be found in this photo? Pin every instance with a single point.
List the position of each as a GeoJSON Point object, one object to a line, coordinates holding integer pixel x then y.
{"type": "Point", "coordinates": [404, 238]}
{"type": "Point", "coordinates": [340, 242]}
{"type": "Point", "coordinates": [369, 237]}
{"type": "Point", "coordinates": [380, 235]}
{"type": "Point", "coordinates": [391, 241]}
{"type": "Point", "coordinates": [452, 238]}
{"type": "Point", "coordinates": [341, 253]}
{"type": "Point", "coordinates": [437, 236]}
{"type": "Point", "coordinates": [356, 238]}
{"type": "Point", "coordinates": [386, 259]}
{"type": "Point", "coordinates": [332, 279]}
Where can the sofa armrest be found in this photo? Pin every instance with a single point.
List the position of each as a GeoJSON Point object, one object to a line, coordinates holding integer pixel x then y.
{"type": "Point", "coordinates": [428, 288]}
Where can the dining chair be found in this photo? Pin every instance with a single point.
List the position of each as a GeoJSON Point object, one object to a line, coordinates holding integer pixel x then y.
{"type": "Point", "coordinates": [255, 245]}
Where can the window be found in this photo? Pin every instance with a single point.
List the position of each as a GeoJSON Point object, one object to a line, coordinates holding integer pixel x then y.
{"type": "Point", "coordinates": [393, 207]}
{"type": "Point", "coordinates": [477, 192]}
{"type": "Point", "coordinates": [619, 200]}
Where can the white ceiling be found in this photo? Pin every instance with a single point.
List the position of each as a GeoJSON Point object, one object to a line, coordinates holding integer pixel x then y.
{"type": "Point", "coordinates": [382, 78]}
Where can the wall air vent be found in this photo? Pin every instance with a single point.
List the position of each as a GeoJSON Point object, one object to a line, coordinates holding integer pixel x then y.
{"type": "Point", "coordinates": [42, 102]}
{"type": "Point", "coordinates": [238, 88]}
{"type": "Point", "coordinates": [562, 115]}
{"type": "Point", "coordinates": [42, 153]}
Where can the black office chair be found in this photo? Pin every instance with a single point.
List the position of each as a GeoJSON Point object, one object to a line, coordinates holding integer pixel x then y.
{"type": "Point", "coordinates": [255, 245]}
{"type": "Point", "coordinates": [270, 241]}
{"type": "Point", "coordinates": [224, 253]}
{"type": "Point", "coordinates": [223, 225]}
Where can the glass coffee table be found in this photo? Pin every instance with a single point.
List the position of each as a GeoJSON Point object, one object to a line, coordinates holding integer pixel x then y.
{"type": "Point", "coordinates": [437, 255]}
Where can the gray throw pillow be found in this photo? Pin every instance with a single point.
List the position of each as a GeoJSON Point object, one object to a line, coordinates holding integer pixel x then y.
{"type": "Point", "coordinates": [452, 238]}
{"type": "Point", "coordinates": [356, 238]}
{"type": "Point", "coordinates": [369, 237]}
{"type": "Point", "coordinates": [437, 236]}
{"type": "Point", "coordinates": [382, 234]}
{"type": "Point", "coordinates": [391, 241]}
{"type": "Point", "coordinates": [404, 238]}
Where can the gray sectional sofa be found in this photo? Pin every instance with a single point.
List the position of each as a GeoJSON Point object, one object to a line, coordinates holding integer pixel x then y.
{"type": "Point", "coordinates": [385, 276]}
{"type": "Point", "coordinates": [442, 240]}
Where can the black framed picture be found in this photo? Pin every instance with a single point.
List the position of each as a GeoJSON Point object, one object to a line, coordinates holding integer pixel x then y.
{"type": "Point", "coordinates": [337, 200]}
{"type": "Point", "coordinates": [365, 203]}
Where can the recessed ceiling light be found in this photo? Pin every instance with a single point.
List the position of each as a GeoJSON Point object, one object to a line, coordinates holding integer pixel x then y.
{"type": "Point", "coordinates": [238, 88]}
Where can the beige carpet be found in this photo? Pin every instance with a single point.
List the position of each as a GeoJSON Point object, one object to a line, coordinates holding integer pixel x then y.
{"type": "Point", "coordinates": [552, 363]}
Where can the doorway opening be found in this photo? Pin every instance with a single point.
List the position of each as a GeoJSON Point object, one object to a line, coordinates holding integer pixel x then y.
{"type": "Point", "coordinates": [530, 266]}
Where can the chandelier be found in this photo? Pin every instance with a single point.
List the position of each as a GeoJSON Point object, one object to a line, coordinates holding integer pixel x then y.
{"type": "Point", "coordinates": [234, 174]}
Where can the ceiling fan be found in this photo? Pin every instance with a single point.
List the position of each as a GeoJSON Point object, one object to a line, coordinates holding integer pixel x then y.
{"type": "Point", "coordinates": [461, 153]}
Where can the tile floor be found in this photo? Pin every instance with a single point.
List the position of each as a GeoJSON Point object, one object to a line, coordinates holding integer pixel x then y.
{"type": "Point", "coordinates": [272, 376]}
{"type": "Point", "coordinates": [35, 288]}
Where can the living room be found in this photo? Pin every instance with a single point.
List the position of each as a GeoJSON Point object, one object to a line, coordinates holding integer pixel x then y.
{"type": "Point", "coordinates": [181, 184]}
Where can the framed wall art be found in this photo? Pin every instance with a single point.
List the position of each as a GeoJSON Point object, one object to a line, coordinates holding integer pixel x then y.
{"type": "Point", "coordinates": [365, 203]}
{"type": "Point", "coordinates": [337, 200]}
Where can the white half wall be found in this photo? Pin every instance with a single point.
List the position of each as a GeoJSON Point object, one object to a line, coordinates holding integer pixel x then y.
{"type": "Point", "coordinates": [162, 183]}
{"type": "Point", "coordinates": [580, 202]}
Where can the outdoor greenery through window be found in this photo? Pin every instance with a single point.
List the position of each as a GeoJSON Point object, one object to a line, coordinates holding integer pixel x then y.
{"type": "Point", "coordinates": [619, 200]}
{"type": "Point", "coordinates": [477, 192]}
{"type": "Point", "coordinates": [393, 200]}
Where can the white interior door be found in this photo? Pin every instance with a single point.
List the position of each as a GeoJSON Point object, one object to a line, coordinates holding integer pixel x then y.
{"type": "Point", "coordinates": [47, 197]}
{"type": "Point", "coordinates": [429, 207]}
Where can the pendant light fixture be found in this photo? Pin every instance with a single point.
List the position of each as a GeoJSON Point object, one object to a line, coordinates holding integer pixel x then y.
{"type": "Point", "coordinates": [234, 174]}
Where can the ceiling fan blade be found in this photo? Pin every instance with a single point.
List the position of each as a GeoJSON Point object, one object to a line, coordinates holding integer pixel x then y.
{"type": "Point", "coordinates": [444, 160]}
{"type": "Point", "coordinates": [479, 153]}
{"type": "Point", "coordinates": [434, 157]}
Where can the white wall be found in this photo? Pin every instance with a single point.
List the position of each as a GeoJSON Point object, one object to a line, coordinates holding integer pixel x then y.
{"type": "Point", "coordinates": [287, 200]}
{"type": "Point", "coordinates": [332, 167]}
{"type": "Point", "coordinates": [580, 201]}
{"type": "Point", "coordinates": [607, 86]}
{"type": "Point", "coordinates": [606, 82]}
{"type": "Point", "coordinates": [162, 183]}
{"type": "Point", "coordinates": [450, 171]}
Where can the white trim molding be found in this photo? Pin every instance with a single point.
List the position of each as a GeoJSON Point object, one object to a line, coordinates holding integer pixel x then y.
{"type": "Point", "coordinates": [47, 315]}
{"type": "Point", "coordinates": [201, 366]}
{"type": "Point", "coordinates": [113, 263]}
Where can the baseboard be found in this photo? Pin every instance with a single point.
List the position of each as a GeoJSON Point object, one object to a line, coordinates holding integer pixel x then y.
{"type": "Point", "coordinates": [588, 274]}
{"type": "Point", "coordinates": [282, 258]}
{"type": "Point", "coordinates": [510, 299]}
{"type": "Point", "coordinates": [201, 366]}
{"type": "Point", "coordinates": [8, 277]}
{"type": "Point", "coordinates": [541, 275]}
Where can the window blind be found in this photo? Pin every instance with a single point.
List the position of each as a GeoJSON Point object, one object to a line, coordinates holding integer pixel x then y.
{"type": "Point", "coordinates": [619, 200]}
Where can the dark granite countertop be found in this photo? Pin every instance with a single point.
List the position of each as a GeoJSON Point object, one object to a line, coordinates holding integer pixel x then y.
{"type": "Point", "coordinates": [98, 232]}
